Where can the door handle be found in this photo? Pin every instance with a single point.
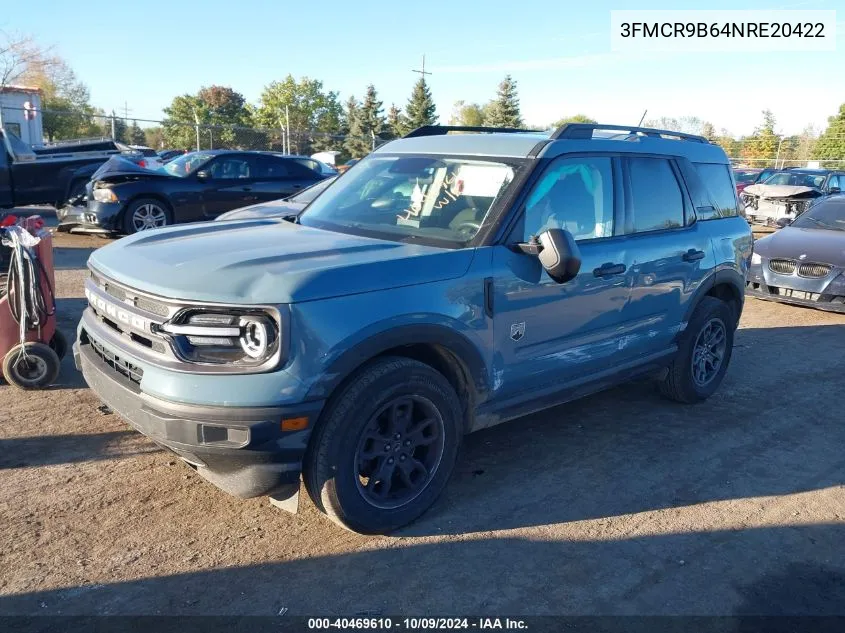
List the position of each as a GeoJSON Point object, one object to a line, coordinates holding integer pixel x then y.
{"type": "Point", "coordinates": [693, 255]}
{"type": "Point", "coordinates": [607, 270]}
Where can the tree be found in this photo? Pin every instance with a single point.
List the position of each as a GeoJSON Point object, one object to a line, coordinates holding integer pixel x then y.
{"type": "Point", "coordinates": [315, 115]}
{"type": "Point", "coordinates": [708, 131]}
{"type": "Point", "coordinates": [763, 143]}
{"type": "Point", "coordinates": [222, 114]}
{"type": "Point", "coordinates": [136, 135]}
{"type": "Point", "coordinates": [575, 118]}
{"type": "Point", "coordinates": [504, 109]}
{"type": "Point", "coordinates": [397, 123]}
{"type": "Point", "coordinates": [727, 142]}
{"type": "Point", "coordinates": [685, 124]}
{"type": "Point", "coordinates": [470, 114]}
{"type": "Point", "coordinates": [831, 144]}
{"type": "Point", "coordinates": [355, 144]}
{"type": "Point", "coordinates": [154, 137]}
{"type": "Point", "coordinates": [18, 56]}
{"type": "Point", "coordinates": [372, 119]}
{"type": "Point", "coordinates": [421, 109]}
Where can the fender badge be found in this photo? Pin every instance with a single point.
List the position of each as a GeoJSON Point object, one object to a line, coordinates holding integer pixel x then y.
{"type": "Point", "coordinates": [517, 331]}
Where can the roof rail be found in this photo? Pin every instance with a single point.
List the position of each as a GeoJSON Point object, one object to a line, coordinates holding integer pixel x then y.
{"type": "Point", "coordinates": [440, 130]}
{"type": "Point", "coordinates": [585, 131]}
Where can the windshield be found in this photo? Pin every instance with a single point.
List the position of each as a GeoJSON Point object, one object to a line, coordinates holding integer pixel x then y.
{"type": "Point", "coordinates": [186, 164]}
{"type": "Point", "coordinates": [746, 177]}
{"type": "Point", "coordinates": [796, 179]}
{"type": "Point", "coordinates": [404, 198]}
{"type": "Point", "coordinates": [824, 215]}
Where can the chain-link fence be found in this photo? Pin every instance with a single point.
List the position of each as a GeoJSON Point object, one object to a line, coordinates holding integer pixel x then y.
{"type": "Point", "coordinates": [45, 127]}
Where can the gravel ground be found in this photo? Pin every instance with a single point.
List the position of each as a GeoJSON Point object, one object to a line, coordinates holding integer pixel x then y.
{"type": "Point", "coordinates": [621, 503]}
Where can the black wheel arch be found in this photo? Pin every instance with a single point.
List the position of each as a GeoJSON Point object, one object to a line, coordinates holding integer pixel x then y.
{"type": "Point", "coordinates": [727, 285]}
{"type": "Point", "coordinates": [441, 347]}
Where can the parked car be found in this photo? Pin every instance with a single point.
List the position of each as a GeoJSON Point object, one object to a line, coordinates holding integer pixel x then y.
{"type": "Point", "coordinates": [448, 283]}
{"type": "Point", "coordinates": [165, 156]}
{"type": "Point", "coordinates": [142, 156]}
{"type": "Point", "coordinates": [804, 263]}
{"type": "Point", "coordinates": [788, 193]}
{"type": "Point", "coordinates": [745, 177]}
{"type": "Point", "coordinates": [125, 198]}
{"type": "Point", "coordinates": [49, 174]}
{"type": "Point", "coordinates": [347, 165]}
{"type": "Point", "coordinates": [285, 208]}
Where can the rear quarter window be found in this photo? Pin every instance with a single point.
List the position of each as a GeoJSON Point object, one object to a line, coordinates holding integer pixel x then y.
{"type": "Point", "coordinates": [717, 180]}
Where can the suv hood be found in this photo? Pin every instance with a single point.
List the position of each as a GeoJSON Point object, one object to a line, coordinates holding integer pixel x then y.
{"type": "Point", "coordinates": [269, 262]}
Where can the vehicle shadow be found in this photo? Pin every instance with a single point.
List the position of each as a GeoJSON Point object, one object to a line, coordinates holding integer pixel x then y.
{"type": "Point", "coordinates": [69, 258]}
{"type": "Point", "coordinates": [789, 570]}
{"type": "Point", "coordinates": [47, 450]}
{"type": "Point", "coordinates": [769, 430]}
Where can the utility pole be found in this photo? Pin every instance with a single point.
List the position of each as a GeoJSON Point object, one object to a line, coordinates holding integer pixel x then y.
{"type": "Point", "coordinates": [777, 156]}
{"type": "Point", "coordinates": [287, 127]}
{"type": "Point", "coordinates": [197, 123]}
{"type": "Point", "coordinates": [422, 71]}
{"type": "Point", "coordinates": [112, 126]}
{"type": "Point", "coordinates": [126, 110]}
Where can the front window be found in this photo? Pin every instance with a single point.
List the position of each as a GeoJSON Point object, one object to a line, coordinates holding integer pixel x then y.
{"type": "Point", "coordinates": [443, 200]}
{"type": "Point", "coordinates": [796, 179]}
{"type": "Point", "coordinates": [187, 164]}
{"type": "Point", "coordinates": [825, 215]}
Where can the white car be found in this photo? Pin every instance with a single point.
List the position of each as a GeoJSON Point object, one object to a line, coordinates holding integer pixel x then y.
{"type": "Point", "coordinates": [149, 157]}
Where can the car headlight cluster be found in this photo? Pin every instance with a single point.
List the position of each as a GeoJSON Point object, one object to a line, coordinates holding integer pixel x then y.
{"type": "Point", "coordinates": [237, 338]}
{"type": "Point", "coordinates": [104, 194]}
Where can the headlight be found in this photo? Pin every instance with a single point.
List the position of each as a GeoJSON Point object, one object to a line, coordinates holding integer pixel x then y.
{"type": "Point", "coordinates": [104, 195]}
{"type": "Point", "coordinates": [236, 338]}
{"type": "Point", "coordinates": [756, 259]}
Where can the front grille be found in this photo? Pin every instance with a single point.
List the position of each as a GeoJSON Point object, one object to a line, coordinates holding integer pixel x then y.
{"type": "Point", "coordinates": [148, 305]}
{"type": "Point", "coordinates": [126, 370]}
{"type": "Point", "coordinates": [814, 271]}
{"type": "Point", "coordinates": [782, 266]}
{"type": "Point", "coordinates": [115, 291]}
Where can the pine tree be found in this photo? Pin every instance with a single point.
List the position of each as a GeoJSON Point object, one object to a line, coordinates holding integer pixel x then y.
{"type": "Point", "coordinates": [372, 118]}
{"type": "Point", "coordinates": [136, 134]}
{"type": "Point", "coordinates": [504, 110]}
{"type": "Point", "coordinates": [397, 124]}
{"type": "Point", "coordinates": [831, 144]}
{"type": "Point", "coordinates": [355, 143]}
{"type": "Point", "coordinates": [421, 109]}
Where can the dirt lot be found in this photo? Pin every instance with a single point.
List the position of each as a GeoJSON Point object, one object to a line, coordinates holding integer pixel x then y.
{"type": "Point", "coordinates": [619, 504]}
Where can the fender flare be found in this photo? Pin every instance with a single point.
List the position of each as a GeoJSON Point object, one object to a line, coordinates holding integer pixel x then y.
{"type": "Point", "coordinates": [467, 354]}
{"type": "Point", "coordinates": [724, 276]}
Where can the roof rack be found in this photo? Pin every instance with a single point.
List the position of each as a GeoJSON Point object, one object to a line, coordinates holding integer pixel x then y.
{"type": "Point", "coordinates": [440, 130]}
{"type": "Point", "coordinates": [585, 131]}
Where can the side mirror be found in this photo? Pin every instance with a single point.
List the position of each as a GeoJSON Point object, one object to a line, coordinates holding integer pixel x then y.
{"type": "Point", "coordinates": [558, 254]}
{"type": "Point", "coordinates": [202, 174]}
{"type": "Point", "coordinates": [782, 222]}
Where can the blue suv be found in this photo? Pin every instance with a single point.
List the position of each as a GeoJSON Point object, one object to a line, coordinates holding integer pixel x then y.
{"type": "Point", "coordinates": [452, 280]}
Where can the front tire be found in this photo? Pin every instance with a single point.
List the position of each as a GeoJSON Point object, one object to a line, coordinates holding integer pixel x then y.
{"type": "Point", "coordinates": [703, 355]}
{"type": "Point", "coordinates": [31, 366]}
{"type": "Point", "coordinates": [146, 214]}
{"type": "Point", "coordinates": [386, 448]}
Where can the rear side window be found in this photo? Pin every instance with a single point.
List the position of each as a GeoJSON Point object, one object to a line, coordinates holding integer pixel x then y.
{"type": "Point", "coordinates": [656, 196]}
{"type": "Point", "coordinates": [271, 167]}
{"type": "Point", "coordinates": [717, 180]}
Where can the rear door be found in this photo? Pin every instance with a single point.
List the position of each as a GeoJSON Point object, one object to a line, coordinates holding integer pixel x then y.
{"type": "Point", "coordinates": [279, 177]}
{"type": "Point", "coordinates": [668, 253]}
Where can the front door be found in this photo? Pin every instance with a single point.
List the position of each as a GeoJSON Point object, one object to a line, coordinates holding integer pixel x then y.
{"type": "Point", "coordinates": [548, 334]}
{"type": "Point", "coordinates": [230, 184]}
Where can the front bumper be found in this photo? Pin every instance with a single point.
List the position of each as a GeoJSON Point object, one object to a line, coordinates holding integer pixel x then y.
{"type": "Point", "coordinates": [241, 450]}
{"type": "Point", "coordinates": [97, 217]}
{"type": "Point", "coordinates": [764, 292]}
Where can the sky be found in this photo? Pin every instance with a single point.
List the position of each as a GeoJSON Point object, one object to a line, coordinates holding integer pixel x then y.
{"type": "Point", "coordinates": [142, 54]}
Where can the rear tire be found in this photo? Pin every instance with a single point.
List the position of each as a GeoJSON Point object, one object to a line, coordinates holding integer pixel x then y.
{"type": "Point", "coordinates": [31, 366]}
{"type": "Point", "coordinates": [703, 355]}
{"type": "Point", "coordinates": [386, 447]}
{"type": "Point", "coordinates": [145, 214]}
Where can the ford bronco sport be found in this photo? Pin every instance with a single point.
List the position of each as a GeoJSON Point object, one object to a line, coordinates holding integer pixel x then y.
{"type": "Point", "coordinates": [446, 283]}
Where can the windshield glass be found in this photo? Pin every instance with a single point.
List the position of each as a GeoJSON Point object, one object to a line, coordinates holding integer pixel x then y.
{"type": "Point", "coordinates": [405, 198]}
{"type": "Point", "coordinates": [186, 164]}
{"type": "Point", "coordinates": [745, 177]}
{"type": "Point", "coordinates": [823, 215]}
{"type": "Point", "coordinates": [796, 179]}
